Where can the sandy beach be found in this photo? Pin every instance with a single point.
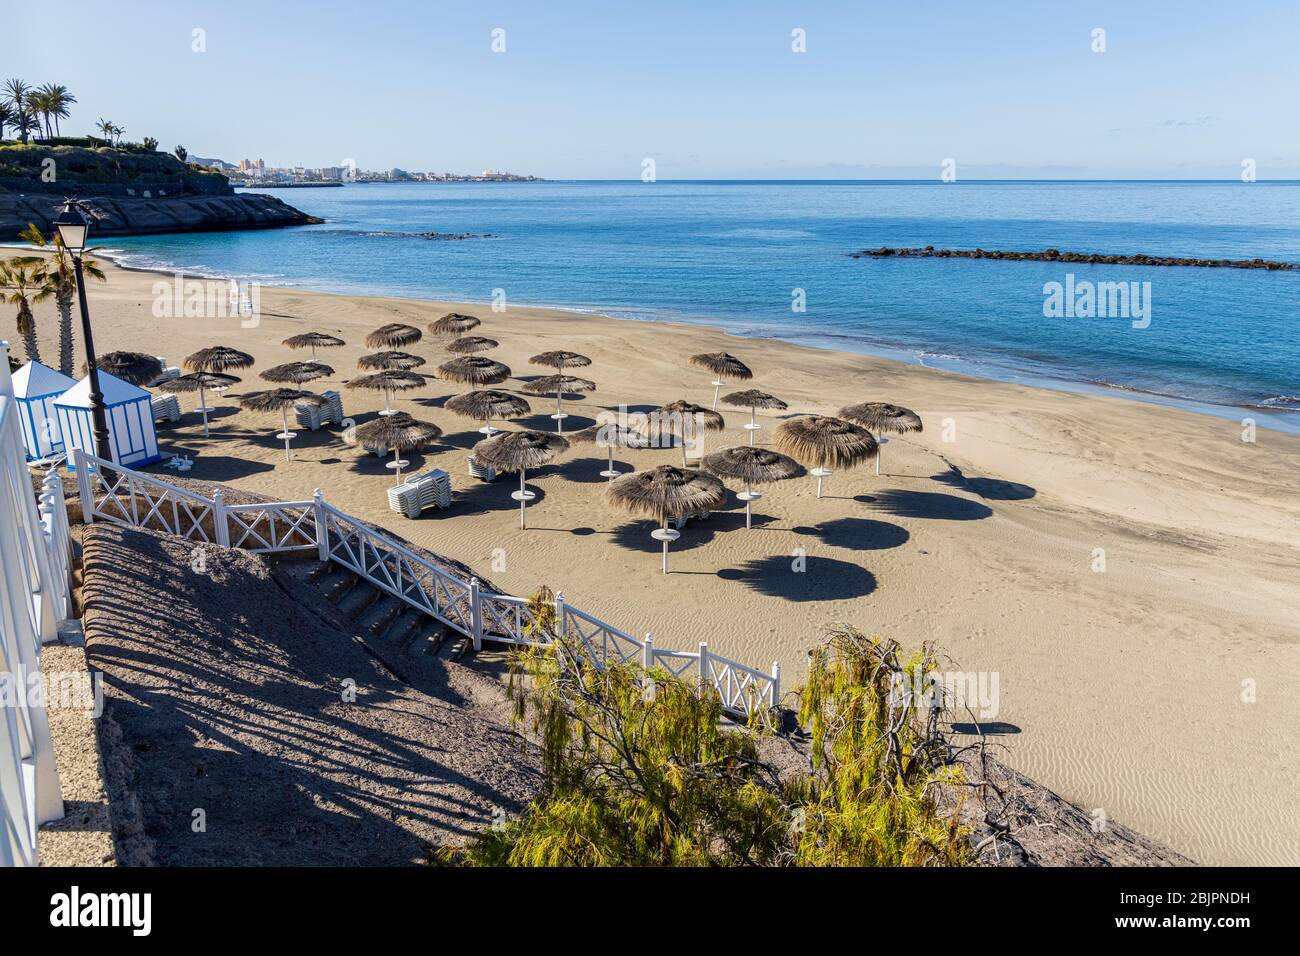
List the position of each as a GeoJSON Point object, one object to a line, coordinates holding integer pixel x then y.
{"type": "Point", "coordinates": [1128, 571]}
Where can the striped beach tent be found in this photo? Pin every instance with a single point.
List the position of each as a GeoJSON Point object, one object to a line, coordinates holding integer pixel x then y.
{"type": "Point", "coordinates": [131, 436]}
{"type": "Point", "coordinates": [36, 386]}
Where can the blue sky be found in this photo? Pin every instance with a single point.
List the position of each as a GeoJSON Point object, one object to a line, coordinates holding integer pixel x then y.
{"type": "Point", "coordinates": [708, 90]}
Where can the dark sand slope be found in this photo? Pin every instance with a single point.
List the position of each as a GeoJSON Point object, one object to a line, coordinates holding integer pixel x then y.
{"type": "Point", "coordinates": [225, 694]}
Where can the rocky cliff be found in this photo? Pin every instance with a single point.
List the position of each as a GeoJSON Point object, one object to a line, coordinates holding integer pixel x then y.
{"type": "Point", "coordinates": [128, 216]}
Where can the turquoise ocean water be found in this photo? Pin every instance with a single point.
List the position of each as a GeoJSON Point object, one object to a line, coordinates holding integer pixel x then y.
{"type": "Point", "coordinates": [734, 254]}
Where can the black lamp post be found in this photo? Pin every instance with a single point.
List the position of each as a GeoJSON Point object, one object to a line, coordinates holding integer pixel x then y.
{"type": "Point", "coordinates": [73, 227]}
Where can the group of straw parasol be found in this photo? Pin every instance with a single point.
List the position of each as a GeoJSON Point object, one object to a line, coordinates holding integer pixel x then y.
{"type": "Point", "coordinates": [519, 451]}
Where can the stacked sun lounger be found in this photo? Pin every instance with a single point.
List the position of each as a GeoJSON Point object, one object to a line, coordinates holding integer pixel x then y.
{"type": "Point", "coordinates": [312, 417]}
{"type": "Point", "coordinates": [169, 372]}
{"type": "Point", "coordinates": [429, 490]}
{"type": "Point", "coordinates": [679, 522]}
{"type": "Point", "coordinates": [166, 408]}
{"type": "Point", "coordinates": [481, 472]}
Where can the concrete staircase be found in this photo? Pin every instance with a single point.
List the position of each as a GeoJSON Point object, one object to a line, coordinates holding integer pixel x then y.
{"type": "Point", "coordinates": [390, 627]}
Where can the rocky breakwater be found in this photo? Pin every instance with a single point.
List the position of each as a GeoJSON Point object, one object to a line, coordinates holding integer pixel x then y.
{"type": "Point", "coordinates": [1055, 255]}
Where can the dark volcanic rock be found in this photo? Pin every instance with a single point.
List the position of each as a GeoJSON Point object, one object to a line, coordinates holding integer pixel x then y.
{"type": "Point", "coordinates": [127, 216]}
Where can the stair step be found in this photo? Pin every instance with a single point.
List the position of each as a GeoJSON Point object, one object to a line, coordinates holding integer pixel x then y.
{"type": "Point", "coordinates": [357, 601]}
{"type": "Point", "coordinates": [401, 628]}
{"type": "Point", "coordinates": [379, 615]}
{"type": "Point", "coordinates": [334, 587]}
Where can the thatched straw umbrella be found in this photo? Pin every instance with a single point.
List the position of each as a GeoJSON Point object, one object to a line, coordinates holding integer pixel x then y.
{"type": "Point", "coordinates": [468, 344]}
{"type": "Point", "coordinates": [134, 367]}
{"type": "Point", "coordinates": [393, 335]}
{"type": "Point", "coordinates": [558, 385]}
{"type": "Point", "coordinates": [393, 380]}
{"type": "Point", "coordinates": [753, 466]}
{"type": "Point", "coordinates": [296, 372]}
{"type": "Point", "coordinates": [724, 365]}
{"type": "Point", "coordinates": [881, 417]}
{"type": "Point", "coordinates": [403, 361]}
{"type": "Point", "coordinates": [198, 382]}
{"type": "Point", "coordinates": [753, 399]}
{"type": "Point", "coordinates": [683, 419]}
{"type": "Point", "coordinates": [485, 404]}
{"type": "Point", "coordinates": [560, 359]}
{"type": "Point", "coordinates": [313, 341]}
{"type": "Point", "coordinates": [454, 323]}
{"type": "Point", "coordinates": [609, 436]}
{"type": "Point", "coordinates": [397, 433]}
{"type": "Point", "coordinates": [824, 442]}
{"type": "Point", "coordinates": [281, 400]}
{"type": "Point", "coordinates": [474, 370]}
{"type": "Point", "coordinates": [519, 451]}
{"type": "Point", "coordinates": [667, 492]}
{"type": "Point", "coordinates": [216, 359]}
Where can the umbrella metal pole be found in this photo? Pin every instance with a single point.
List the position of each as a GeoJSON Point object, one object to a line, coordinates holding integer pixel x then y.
{"type": "Point", "coordinates": [717, 390]}
{"type": "Point", "coordinates": [203, 405]}
{"type": "Point", "coordinates": [665, 546]}
{"type": "Point", "coordinates": [523, 501]}
{"type": "Point", "coordinates": [284, 414]}
{"type": "Point", "coordinates": [752, 413]}
{"type": "Point", "coordinates": [878, 456]}
{"type": "Point", "coordinates": [397, 462]}
{"type": "Point", "coordinates": [748, 489]}
{"type": "Point", "coordinates": [611, 462]}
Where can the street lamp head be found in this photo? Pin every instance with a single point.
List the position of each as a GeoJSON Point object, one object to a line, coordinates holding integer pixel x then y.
{"type": "Point", "coordinates": [72, 226]}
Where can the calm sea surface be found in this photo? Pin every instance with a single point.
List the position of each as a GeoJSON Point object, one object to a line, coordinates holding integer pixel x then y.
{"type": "Point", "coordinates": [734, 254]}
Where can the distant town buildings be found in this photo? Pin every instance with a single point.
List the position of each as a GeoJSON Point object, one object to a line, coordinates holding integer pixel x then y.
{"type": "Point", "coordinates": [256, 172]}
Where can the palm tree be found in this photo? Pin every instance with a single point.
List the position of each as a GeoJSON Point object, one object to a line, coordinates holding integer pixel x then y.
{"type": "Point", "coordinates": [59, 99]}
{"type": "Point", "coordinates": [23, 280]}
{"type": "Point", "coordinates": [107, 128]}
{"type": "Point", "coordinates": [24, 122]}
{"type": "Point", "coordinates": [62, 281]}
{"type": "Point", "coordinates": [16, 91]}
{"type": "Point", "coordinates": [38, 102]}
{"type": "Point", "coordinates": [6, 117]}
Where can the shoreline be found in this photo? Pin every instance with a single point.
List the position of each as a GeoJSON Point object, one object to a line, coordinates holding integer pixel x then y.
{"type": "Point", "coordinates": [1282, 419]}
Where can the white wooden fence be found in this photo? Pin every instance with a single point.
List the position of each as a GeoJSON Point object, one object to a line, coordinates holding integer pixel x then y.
{"type": "Point", "coordinates": [34, 597]}
{"type": "Point", "coordinates": [142, 501]}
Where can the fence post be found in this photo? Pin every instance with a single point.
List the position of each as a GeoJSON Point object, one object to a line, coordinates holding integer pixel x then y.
{"type": "Point", "coordinates": [84, 490]}
{"type": "Point", "coordinates": [475, 615]}
{"type": "Point", "coordinates": [648, 651]}
{"type": "Point", "coordinates": [704, 663]}
{"type": "Point", "coordinates": [322, 529]}
{"type": "Point", "coordinates": [561, 628]}
{"type": "Point", "coordinates": [776, 684]}
{"type": "Point", "coordinates": [220, 522]}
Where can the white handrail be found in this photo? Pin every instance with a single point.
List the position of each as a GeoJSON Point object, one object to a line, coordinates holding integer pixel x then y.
{"type": "Point", "coordinates": [461, 605]}
{"type": "Point", "coordinates": [30, 598]}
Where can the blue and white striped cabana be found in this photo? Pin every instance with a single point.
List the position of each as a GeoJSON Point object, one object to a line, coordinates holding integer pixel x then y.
{"type": "Point", "coordinates": [36, 386]}
{"type": "Point", "coordinates": [131, 437]}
